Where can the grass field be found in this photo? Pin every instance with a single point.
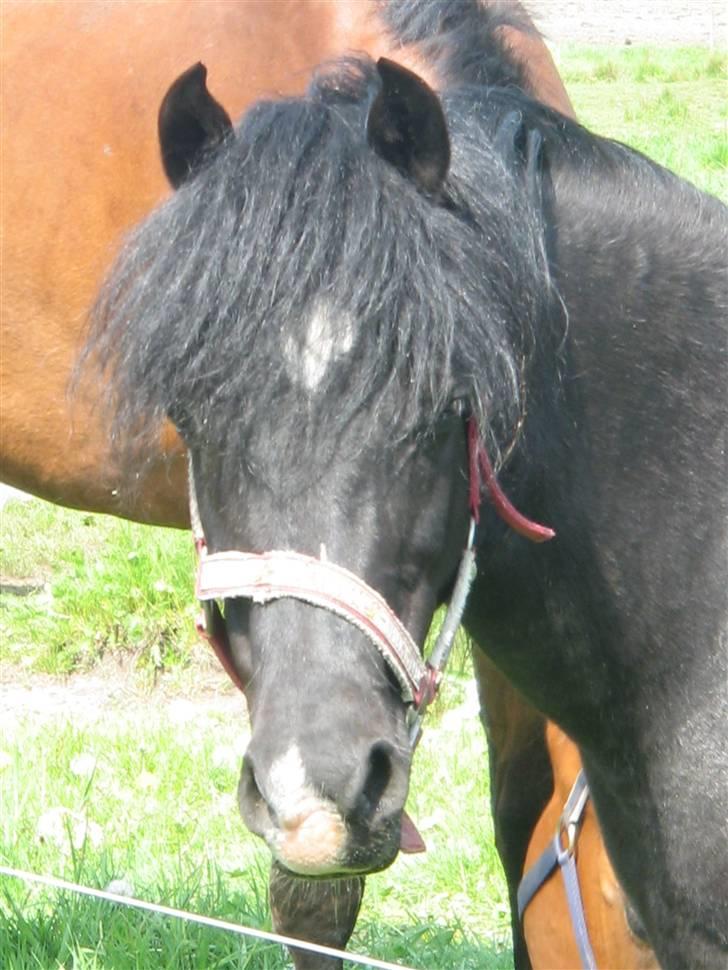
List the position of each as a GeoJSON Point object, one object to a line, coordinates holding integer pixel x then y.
{"type": "Point", "coordinates": [670, 103]}
{"type": "Point", "coordinates": [142, 790]}
{"type": "Point", "coordinates": [150, 800]}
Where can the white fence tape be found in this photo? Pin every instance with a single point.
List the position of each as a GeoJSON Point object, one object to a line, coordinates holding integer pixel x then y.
{"type": "Point", "coordinates": [131, 901]}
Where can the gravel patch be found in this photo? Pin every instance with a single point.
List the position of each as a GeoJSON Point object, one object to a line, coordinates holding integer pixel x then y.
{"type": "Point", "coordinates": [669, 22]}
{"type": "Point", "coordinates": [114, 691]}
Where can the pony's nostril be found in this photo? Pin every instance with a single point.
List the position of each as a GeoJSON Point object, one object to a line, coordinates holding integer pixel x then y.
{"type": "Point", "coordinates": [376, 780]}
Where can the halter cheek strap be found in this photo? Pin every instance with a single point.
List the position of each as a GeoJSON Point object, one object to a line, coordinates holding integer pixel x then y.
{"type": "Point", "coordinates": [279, 574]}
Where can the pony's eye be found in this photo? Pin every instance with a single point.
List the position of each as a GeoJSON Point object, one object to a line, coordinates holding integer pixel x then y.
{"type": "Point", "coordinates": [460, 407]}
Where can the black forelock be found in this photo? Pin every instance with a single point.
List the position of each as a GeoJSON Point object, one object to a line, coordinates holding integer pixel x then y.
{"type": "Point", "coordinates": [202, 315]}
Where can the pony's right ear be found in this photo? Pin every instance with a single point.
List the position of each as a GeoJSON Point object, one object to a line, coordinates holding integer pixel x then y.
{"type": "Point", "coordinates": [406, 127]}
{"type": "Point", "coordinates": [191, 123]}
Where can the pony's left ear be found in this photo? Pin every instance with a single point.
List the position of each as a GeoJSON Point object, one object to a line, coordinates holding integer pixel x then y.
{"type": "Point", "coordinates": [406, 127]}
{"type": "Point", "coordinates": [191, 123]}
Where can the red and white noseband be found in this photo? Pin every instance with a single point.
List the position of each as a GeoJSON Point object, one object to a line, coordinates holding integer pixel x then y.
{"type": "Point", "coordinates": [283, 574]}
{"type": "Point", "coordinates": [278, 574]}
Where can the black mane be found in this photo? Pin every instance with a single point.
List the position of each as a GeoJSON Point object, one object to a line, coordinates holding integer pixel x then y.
{"type": "Point", "coordinates": [205, 308]}
{"type": "Point", "coordinates": [463, 38]}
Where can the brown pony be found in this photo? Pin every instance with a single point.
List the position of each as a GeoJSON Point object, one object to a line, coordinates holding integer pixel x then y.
{"type": "Point", "coordinates": [519, 761]}
{"type": "Point", "coordinates": [613, 939]}
{"type": "Point", "coordinates": [79, 167]}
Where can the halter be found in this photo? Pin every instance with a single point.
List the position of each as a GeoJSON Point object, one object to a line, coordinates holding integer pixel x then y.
{"type": "Point", "coordinates": [563, 856]}
{"type": "Point", "coordinates": [281, 574]}
{"type": "Point", "coordinates": [278, 574]}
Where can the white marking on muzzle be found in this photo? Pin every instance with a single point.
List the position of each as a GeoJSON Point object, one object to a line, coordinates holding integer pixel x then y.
{"type": "Point", "coordinates": [287, 786]}
{"type": "Point", "coordinates": [310, 835]}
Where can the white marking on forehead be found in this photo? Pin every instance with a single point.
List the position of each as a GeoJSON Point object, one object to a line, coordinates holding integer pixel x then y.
{"type": "Point", "coordinates": [328, 335]}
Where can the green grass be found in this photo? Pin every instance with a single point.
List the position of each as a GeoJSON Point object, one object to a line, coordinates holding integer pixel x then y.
{"type": "Point", "coordinates": [103, 585]}
{"type": "Point", "coordinates": [153, 803]}
{"type": "Point", "coordinates": [636, 65]}
{"type": "Point", "coordinates": [670, 103]}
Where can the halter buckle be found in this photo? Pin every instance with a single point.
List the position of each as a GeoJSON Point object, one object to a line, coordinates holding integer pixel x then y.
{"type": "Point", "coordinates": [428, 688]}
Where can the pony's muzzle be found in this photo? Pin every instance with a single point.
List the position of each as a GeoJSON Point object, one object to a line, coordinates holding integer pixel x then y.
{"type": "Point", "coordinates": [312, 833]}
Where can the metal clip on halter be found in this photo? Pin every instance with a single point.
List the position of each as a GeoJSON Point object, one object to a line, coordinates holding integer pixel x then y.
{"type": "Point", "coordinates": [556, 855]}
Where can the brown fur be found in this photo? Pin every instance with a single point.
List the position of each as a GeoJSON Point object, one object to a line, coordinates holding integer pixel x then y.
{"type": "Point", "coordinates": [612, 941]}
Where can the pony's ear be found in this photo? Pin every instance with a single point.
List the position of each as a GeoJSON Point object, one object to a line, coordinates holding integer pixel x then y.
{"type": "Point", "coordinates": [191, 123]}
{"type": "Point", "coordinates": [522, 149]}
{"type": "Point", "coordinates": [406, 127]}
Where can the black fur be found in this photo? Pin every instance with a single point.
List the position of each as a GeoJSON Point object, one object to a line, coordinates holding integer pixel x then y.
{"type": "Point", "coordinates": [407, 128]}
{"type": "Point", "coordinates": [576, 293]}
{"type": "Point", "coordinates": [190, 123]}
{"type": "Point", "coordinates": [462, 37]}
{"type": "Point", "coordinates": [210, 294]}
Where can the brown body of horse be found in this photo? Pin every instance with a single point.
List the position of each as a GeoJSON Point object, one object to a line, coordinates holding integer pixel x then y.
{"type": "Point", "coordinates": [606, 914]}
{"type": "Point", "coordinates": [516, 733]}
{"type": "Point", "coordinates": [82, 82]}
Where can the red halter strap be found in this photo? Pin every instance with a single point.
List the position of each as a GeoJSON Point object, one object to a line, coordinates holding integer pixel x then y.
{"type": "Point", "coordinates": [282, 574]}
{"type": "Point", "coordinates": [481, 473]}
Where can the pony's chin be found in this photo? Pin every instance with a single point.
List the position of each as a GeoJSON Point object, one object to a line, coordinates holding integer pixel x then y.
{"type": "Point", "coordinates": [339, 873]}
{"type": "Point", "coordinates": [355, 860]}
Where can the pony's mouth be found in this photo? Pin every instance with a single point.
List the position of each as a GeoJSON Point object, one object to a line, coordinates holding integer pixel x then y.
{"type": "Point", "coordinates": [323, 847]}
{"type": "Point", "coordinates": [410, 840]}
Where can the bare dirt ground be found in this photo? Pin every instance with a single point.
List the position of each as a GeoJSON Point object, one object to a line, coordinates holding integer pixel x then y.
{"type": "Point", "coordinates": [673, 22]}
{"type": "Point", "coordinates": [117, 687]}
{"type": "Point", "coordinates": [118, 690]}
